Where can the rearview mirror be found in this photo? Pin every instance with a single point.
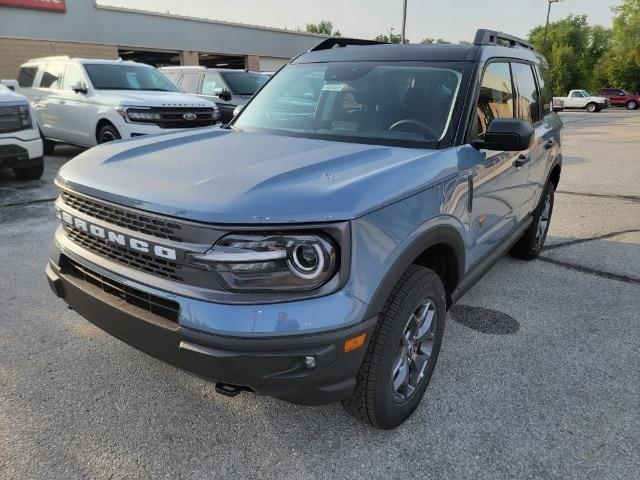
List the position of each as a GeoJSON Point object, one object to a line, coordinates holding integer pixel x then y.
{"type": "Point", "coordinates": [507, 134]}
{"type": "Point", "coordinates": [79, 87]}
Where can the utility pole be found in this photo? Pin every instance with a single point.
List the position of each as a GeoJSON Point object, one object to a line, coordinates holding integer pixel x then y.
{"type": "Point", "coordinates": [546, 27]}
{"type": "Point", "coordinates": [404, 20]}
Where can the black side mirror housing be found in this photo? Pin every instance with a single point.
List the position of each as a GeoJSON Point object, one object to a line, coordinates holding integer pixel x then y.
{"type": "Point", "coordinates": [80, 87]}
{"type": "Point", "coordinates": [507, 134]}
{"type": "Point", "coordinates": [224, 94]}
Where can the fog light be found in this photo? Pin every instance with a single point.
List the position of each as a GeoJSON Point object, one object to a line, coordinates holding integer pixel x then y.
{"type": "Point", "coordinates": [309, 362]}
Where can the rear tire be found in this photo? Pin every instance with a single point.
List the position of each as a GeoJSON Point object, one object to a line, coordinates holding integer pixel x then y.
{"type": "Point", "coordinates": [402, 351]}
{"type": "Point", "coordinates": [529, 246]}
{"type": "Point", "coordinates": [592, 107]}
{"type": "Point", "coordinates": [108, 133]}
{"type": "Point", "coordinates": [632, 105]}
{"type": "Point", "coordinates": [30, 173]}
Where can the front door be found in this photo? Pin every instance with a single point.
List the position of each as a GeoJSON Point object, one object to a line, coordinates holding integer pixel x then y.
{"type": "Point", "coordinates": [79, 112]}
{"type": "Point", "coordinates": [500, 190]}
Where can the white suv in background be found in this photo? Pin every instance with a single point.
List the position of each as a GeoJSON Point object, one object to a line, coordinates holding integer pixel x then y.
{"type": "Point", "coordinates": [88, 102]}
{"type": "Point", "coordinates": [20, 143]}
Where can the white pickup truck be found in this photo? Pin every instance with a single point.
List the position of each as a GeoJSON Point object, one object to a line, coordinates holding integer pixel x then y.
{"type": "Point", "coordinates": [583, 99]}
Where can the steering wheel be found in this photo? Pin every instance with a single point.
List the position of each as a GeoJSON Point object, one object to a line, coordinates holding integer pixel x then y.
{"type": "Point", "coordinates": [410, 121]}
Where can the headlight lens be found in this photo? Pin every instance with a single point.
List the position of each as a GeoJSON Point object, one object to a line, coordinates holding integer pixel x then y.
{"type": "Point", "coordinates": [271, 262]}
{"type": "Point", "coordinates": [25, 116]}
{"type": "Point", "coordinates": [142, 115]}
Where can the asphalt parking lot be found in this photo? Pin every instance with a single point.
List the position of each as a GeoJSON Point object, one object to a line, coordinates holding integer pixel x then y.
{"type": "Point", "coordinates": [538, 376]}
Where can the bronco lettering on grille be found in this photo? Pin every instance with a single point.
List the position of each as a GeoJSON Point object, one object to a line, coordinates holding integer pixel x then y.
{"type": "Point", "coordinates": [160, 251]}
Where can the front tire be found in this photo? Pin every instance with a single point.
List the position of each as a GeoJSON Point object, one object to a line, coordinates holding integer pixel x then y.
{"type": "Point", "coordinates": [402, 352]}
{"type": "Point", "coordinates": [529, 246]}
{"type": "Point", "coordinates": [592, 108]}
{"type": "Point", "coordinates": [632, 105]}
{"type": "Point", "coordinates": [108, 133]}
{"type": "Point", "coordinates": [30, 173]}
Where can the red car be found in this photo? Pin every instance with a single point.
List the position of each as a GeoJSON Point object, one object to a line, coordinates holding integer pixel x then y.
{"type": "Point", "coordinates": [620, 98]}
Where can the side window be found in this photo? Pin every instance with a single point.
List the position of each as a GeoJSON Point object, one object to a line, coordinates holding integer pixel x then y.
{"type": "Point", "coordinates": [27, 75]}
{"type": "Point", "coordinates": [576, 95]}
{"type": "Point", "coordinates": [210, 83]}
{"type": "Point", "coordinates": [545, 88]}
{"type": "Point", "coordinates": [496, 96]}
{"type": "Point", "coordinates": [72, 76]}
{"type": "Point", "coordinates": [528, 98]}
{"type": "Point", "coordinates": [190, 82]}
{"type": "Point", "coordinates": [172, 76]}
{"type": "Point", "coordinates": [52, 76]}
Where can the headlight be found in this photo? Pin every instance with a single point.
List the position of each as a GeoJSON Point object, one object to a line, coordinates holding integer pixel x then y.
{"type": "Point", "coordinates": [25, 115]}
{"type": "Point", "coordinates": [271, 262]}
{"type": "Point", "coordinates": [138, 114]}
{"type": "Point", "coordinates": [142, 115]}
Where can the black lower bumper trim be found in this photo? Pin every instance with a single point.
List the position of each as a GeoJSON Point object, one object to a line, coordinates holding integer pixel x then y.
{"type": "Point", "coordinates": [14, 156]}
{"type": "Point", "coordinates": [269, 366]}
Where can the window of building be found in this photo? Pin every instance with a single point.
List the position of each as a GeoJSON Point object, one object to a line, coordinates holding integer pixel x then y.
{"type": "Point", "coordinates": [496, 96]}
{"type": "Point", "coordinates": [528, 97]}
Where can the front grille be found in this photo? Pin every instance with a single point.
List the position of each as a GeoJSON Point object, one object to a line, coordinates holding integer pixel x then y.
{"type": "Point", "coordinates": [173, 117]}
{"type": "Point", "coordinates": [120, 254]}
{"type": "Point", "coordinates": [124, 218]}
{"type": "Point", "coordinates": [152, 303]}
{"type": "Point", "coordinates": [11, 119]}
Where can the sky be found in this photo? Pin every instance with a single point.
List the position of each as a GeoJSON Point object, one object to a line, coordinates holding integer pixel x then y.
{"type": "Point", "coordinates": [452, 20]}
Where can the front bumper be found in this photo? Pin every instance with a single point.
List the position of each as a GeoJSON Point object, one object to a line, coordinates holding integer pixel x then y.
{"type": "Point", "coordinates": [268, 365]}
{"type": "Point", "coordinates": [16, 152]}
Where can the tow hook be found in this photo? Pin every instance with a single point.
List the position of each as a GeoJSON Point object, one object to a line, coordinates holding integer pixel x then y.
{"type": "Point", "coordinates": [227, 389]}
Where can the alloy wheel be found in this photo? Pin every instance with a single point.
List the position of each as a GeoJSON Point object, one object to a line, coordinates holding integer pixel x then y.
{"type": "Point", "coordinates": [414, 350]}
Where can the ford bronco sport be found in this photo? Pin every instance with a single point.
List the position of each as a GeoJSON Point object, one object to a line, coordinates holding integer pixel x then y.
{"type": "Point", "coordinates": [310, 250]}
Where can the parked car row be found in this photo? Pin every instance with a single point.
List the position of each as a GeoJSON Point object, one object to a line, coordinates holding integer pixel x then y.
{"type": "Point", "coordinates": [605, 98]}
{"type": "Point", "coordinates": [88, 102]}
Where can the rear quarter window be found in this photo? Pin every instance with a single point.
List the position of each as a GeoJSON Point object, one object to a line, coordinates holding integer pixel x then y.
{"type": "Point", "coordinates": [27, 75]}
{"type": "Point", "coordinates": [545, 87]}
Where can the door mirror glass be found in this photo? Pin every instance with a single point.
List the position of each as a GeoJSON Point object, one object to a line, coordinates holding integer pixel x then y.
{"type": "Point", "coordinates": [507, 134]}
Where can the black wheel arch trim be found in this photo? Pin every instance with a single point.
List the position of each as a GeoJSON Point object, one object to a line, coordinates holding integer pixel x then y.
{"type": "Point", "coordinates": [445, 235]}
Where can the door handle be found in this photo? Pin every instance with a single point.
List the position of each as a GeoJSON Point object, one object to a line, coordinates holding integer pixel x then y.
{"type": "Point", "coordinates": [63, 102]}
{"type": "Point", "coordinates": [522, 160]}
{"type": "Point", "coordinates": [549, 144]}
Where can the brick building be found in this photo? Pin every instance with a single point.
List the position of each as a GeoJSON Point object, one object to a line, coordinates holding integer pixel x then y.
{"type": "Point", "coordinates": [84, 28]}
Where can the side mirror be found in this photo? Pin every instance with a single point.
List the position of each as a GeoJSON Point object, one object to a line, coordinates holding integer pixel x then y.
{"type": "Point", "coordinates": [507, 134]}
{"type": "Point", "coordinates": [557, 105]}
{"type": "Point", "coordinates": [79, 87]}
{"type": "Point", "coordinates": [222, 94]}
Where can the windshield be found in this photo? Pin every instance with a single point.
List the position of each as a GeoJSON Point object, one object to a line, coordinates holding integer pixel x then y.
{"type": "Point", "coordinates": [244, 83]}
{"type": "Point", "coordinates": [105, 76]}
{"type": "Point", "coordinates": [370, 102]}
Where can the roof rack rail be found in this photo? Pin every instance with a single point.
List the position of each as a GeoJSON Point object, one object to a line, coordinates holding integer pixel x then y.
{"type": "Point", "coordinates": [333, 42]}
{"type": "Point", "coordinates": [491, 37]}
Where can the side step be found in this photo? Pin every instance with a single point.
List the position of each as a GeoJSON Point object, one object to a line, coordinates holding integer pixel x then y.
{"type": "Point", "coordinates": [228, 389]}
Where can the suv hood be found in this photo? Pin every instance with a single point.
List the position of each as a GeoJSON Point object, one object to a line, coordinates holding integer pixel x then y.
{"type": "Point", "coordinates": [143, 98]}
{"type": "Point", "coordinates": [9, 96]}
{"type": "Point", "coordinates": [221, 176]}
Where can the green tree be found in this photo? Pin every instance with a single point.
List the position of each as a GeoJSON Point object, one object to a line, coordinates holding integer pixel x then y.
{"type": "Point", "coordinates": [623, 60]}
{"type": "Point", "coordinates": [324, 27]}
{"type": "Point", "coordinates": [391, 38]}
{"type": "Point", "coordinates": [433, 40]}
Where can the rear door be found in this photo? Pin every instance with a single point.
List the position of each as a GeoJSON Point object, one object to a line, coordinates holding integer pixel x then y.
{"type": "Point", "coordinates": [499, 189]}
{"type": "Point", "coordinates": [46, 101]}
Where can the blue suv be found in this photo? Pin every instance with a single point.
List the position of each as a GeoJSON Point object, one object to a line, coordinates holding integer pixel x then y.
{"type": "Point", "coordinates": [309, 250]}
